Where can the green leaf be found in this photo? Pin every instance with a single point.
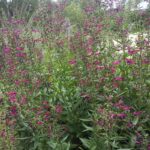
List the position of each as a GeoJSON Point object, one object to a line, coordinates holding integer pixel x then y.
{"type": "Point", "coordinates": [85, 120]}
{"type": "Point", "coordinates": [87, 128]}
{"type": "Point", "coordinates": [114, 144]}
{"type": "Point", "coordinates": [93, 148]}
{"type": "Point", "coordinates": [68, 146]}
{"type": "Point", "coordinates": [85, 142]}
{"type": "Point", "coordinates": [135, 121]}
{"type": "Point", "coordinates": [52, 144]}
{"type": "Point", "coordinates": [65, 138]}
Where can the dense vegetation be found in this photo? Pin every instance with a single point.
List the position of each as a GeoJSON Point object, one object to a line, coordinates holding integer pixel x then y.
{"type": "Point", "coordinates": [73, 77]}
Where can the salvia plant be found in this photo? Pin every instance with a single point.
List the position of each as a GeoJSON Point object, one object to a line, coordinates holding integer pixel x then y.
{"type": "Point", "coordinates": [74, 75]}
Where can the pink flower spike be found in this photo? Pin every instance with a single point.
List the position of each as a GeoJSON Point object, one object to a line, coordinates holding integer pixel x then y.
{"type": "Point", "coordinates": [19, 48]}
{"type": "Point", "coordinates": [23, 100]}
{"type": "Point", "coordinates": [132, 52]}
{"type": "Point", "coordinates": [121, 115]}
{"type": "Point", "coordinates": [130, 61]}
{"type": "Point", "coordinates": [112, 116]}
{"type": "Point", "coordinates": [12, 93]}
{"type": "Point", "coordinates": [97, 53]}
{"type": "Point", "coordinates": [39, 123]}
{"type": "Point", "coordinates": [125, 108]}
{"type": "Point", "coordinates": [117, 62]}
{"type": "Point", "coordinates": [59, 109]}
{"type": "Point", "coordinates": [89, 51]}
{"type": "Point", "coordinates": [12, 96]}
{"type": "Point", "coordinates": [21, 54]}
{"type": "Point", "coordinates": [3, 133]}
{"type": "Point", "coordinates": [13, 111]}
{"type": "Point", "coordinates": [118, 78]}
{"type": "Point", "coordinates": [137, 113]}
{"type": "Point", "coordinates": [7, 50]}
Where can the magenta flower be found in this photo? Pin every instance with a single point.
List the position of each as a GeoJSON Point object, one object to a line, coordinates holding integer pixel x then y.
{"type": "Point", "coordinates": [23, 100]}
{"type": "Point", "coordinates": [17, 82]}
{"type": "Point", "coordinates": [130, 61]}
{"type": "Point", "coordinates": [19, 48]}
{"type": "Point", "coordinates": [112, 115]}
{"type": "Point", "coordinates": [12, 138]}
{"type": "Point", "coordinates": [132, 52]}
{"type": "Point", "coordinates": [13, 111]}
{"type": "Point", "coordinates": [96, 62]}
{"type": "Point", "coordinates": [113, 70]}
{"type": "Point", "coordinates": [24, 72]}
{"type": "Point", "coordinates": [89, 51]}
{"type": "Point", "coordinates": [90, 42]}
{"type": "Point", "coordinates": [86, 96]}
{"type": "Point", "coordinates": [5, 31]}
{"type": "Point", "coordinates": [39, 123]}
{"type": "Point", "coordinates": [98, 67]}
{"type": "Point", "coordinates": [21, 54]}
{"type": "Point", "coordinates": [47, 116]}
{"type": "Point", "coordinates": [12, 93]}
{"type": "Point", "coordinates": [101, 122]}
{"type": "Point", "coordinates": [121, 115]}
{"type": "Point", "coordinates": [7, 50]}
{"type": "Point", "coordinates": [12, 96]}
{"type": "Point", "coordinates": [97, 53]}
{"type": "Point", "coordinates": [89, 66]}
{"type": "Point", "coordinates": [72, 62]}
{"type": "Point", "coordinates": [122, 106]}
{"type": "Point", "coordinates": [137, 113]}
{"type": "Point", "coordinates": [17, 32]}
{"type": "Point", "coordinates": [3, 133]}
{"type": "Point", "coordinates": [117, 62]}
{"type": "Point", "coordinates": [148, 147]}
{"type": "Point", "coordinates": [59, 109]}
{"type": "Point", "coordinates": [99, 27]}
{"type": "Point", "coordinates": [125, 108]}
{"type": "Point", "coordinates": [9, 62]}
{"type": "Point", "coordinates": [146, 61]}
{"type": "Point", "coordinates": [138, 142]}
{"type": "Point", "coordinates": [119, 78]}
{"type": "Point", "coordinates": [45, 102]}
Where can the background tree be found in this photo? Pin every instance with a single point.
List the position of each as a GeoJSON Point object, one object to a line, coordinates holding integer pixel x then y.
{"type": "Point", "coordinates": [18, 8]}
